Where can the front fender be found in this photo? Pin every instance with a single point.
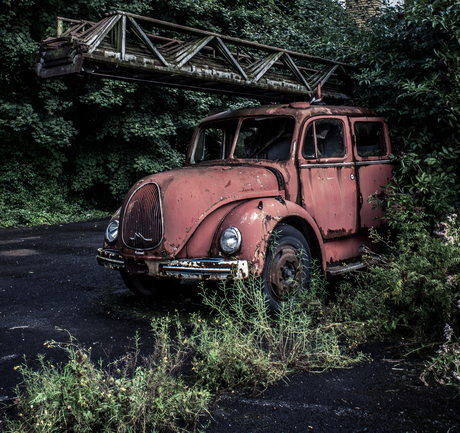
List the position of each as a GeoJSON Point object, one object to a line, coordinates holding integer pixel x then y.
{"type": "Point", "coordinates": [256, 219]}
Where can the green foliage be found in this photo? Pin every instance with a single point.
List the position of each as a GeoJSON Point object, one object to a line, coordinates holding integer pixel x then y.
{"type": "Point", "coordinates": [129, 395]}
{"type": "Point", "coordinates": [409, 69]}
{"type": "Point", "coordinates": [415, 286]}
{"type": "Point", "coordinates": [445, 365]}
{"type": "Point", "coordinates": [26, 198]}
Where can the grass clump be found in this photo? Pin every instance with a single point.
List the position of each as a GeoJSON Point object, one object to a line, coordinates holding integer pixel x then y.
{"type": "Point", "coordinates": [232, 342]}
{"type": "Point", "coordinates": [129, 395]}
{"type": "Point", "coordinates": [244, 345]}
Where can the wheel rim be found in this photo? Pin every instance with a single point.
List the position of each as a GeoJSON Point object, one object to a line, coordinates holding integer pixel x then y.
{"type": "Point", "coordinates": [284, 277]}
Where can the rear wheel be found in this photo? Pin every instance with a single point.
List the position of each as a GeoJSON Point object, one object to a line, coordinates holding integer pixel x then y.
{"type": "Point", "coordinates": [287, 269]}
{"type": "Point", "coordinates": [141, 285]}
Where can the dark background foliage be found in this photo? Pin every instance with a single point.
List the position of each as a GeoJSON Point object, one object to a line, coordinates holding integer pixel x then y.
{"type": "Point", "coordinates": [410, 71]}
{"type": "Point", "coordinates": [74, 143]}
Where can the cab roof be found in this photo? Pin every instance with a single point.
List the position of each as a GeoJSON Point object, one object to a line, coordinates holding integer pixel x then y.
{"type": "Point", "coordinates": [298, 110]}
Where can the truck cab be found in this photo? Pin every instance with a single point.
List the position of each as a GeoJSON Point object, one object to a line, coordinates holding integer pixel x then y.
{"type": "Point", "coordinates": [264, 191]}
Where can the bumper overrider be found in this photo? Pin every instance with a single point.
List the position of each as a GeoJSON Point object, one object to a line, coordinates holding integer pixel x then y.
{"type": "Point", "coordinates": [198, 269]}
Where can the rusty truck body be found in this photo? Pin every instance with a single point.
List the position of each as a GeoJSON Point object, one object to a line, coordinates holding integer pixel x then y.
{"type": "Point", "coordinates": [265, 190]}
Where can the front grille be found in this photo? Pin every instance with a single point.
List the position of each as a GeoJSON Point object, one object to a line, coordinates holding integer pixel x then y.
{"type": "Point", "coordinates": [143, 218]}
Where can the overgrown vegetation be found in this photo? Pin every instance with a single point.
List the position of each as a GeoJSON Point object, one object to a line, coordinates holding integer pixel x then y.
{"type": "Point", "coordinates": [236, 344]}
{"type": "Point", "coordinates": [129, 395]}
{"type": "Point", "coordinates": [445, 365]}
{"type": "Point", "coordinates": [409, 70]}
{"type": "Point", "coordinates": [414, 285]}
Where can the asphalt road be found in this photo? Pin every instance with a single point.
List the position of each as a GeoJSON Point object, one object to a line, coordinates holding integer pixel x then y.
{"type": "Point", "coordinates": [49, 279]}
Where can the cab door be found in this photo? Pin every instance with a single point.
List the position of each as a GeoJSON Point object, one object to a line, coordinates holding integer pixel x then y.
{"type": "Point", "coordinates": [371, 148]}
{"type": "Point", "coordinates": [327, 174]}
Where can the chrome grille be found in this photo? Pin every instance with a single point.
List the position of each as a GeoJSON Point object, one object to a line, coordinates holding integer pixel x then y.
{"type": "Point", "coordinates": [143, 218]}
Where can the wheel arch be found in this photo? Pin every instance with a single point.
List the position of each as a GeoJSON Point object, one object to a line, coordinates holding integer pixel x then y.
{"type": "Point", "coordinates": [258, 218]}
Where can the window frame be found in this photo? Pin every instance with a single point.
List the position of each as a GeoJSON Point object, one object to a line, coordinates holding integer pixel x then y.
{"type": "Point", "coordinates": [386, 154]}
{"type": "Point", "coordinates": [237, 135]}
{"type": "Point", "coordinates": [322, 159]}
{"type": "Point", "coordinates": [198, 134]}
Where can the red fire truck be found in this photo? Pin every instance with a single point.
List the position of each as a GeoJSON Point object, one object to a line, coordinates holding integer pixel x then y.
{"type": "Point", "coordinates": [264, 190]}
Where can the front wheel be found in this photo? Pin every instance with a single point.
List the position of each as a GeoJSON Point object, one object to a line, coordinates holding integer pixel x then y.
{"type": "Point", "coordinates": [140, 285]}
{"type": "Point", "coordinates": [287, 269]}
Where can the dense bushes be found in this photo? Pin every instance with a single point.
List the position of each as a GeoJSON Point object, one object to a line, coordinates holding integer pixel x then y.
{"type": "Point", "coordinates": [409, 69]}
{"type": "Point", "coordinates": [414, 287]}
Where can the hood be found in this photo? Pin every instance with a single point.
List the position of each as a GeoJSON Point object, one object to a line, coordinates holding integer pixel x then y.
{"type": "Point", "coordinates": [190, 194]}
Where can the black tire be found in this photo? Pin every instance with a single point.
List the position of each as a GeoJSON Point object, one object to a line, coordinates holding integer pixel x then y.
{"type": "Point", "coordinates": [287, 269]}
{"type": "Point", "coordinates": [141, 285]}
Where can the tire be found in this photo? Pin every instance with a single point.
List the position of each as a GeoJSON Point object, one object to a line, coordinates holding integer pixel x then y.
{"type": "Point", "coordinates": [287, 269]}
{"type": "Point", "coordinates": [140, 285]}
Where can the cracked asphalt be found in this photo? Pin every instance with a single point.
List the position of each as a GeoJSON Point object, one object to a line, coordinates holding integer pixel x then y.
{"type": "Point", "coordinates": [50, 282]}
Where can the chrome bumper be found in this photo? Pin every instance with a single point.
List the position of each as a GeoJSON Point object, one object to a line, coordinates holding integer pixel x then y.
{"type": "Point", "coordinates": [205, 269]}
{"type": "Point", "coordinates": [110, 259]}
{"type": "Point", "coordinates": [201, 269]}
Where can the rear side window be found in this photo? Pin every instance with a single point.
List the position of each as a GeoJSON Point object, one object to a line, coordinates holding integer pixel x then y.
{"type": "Point", "coordinates": [370, 139]}
{"type": "Point", "coordinates": [324, 139]}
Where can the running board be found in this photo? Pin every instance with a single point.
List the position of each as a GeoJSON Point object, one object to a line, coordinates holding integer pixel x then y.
{"type": "Point", "coordinates": [338, 270]}
{"type": "Point", "coordinates": [349, 267]}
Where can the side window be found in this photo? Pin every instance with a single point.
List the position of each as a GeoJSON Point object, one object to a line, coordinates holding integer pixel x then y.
{"type": "Point", "coordinates": [209, 143]}
{"type": "Point", "coordinates": [328, 136]}
{"type": "Point", "coordinates": [370, 139]}
{"type": "Point", "coordinates": [308, 150]}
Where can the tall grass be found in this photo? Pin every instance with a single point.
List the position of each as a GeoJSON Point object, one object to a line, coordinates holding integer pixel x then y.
{"type": "Point", "coordinates": [237, 343]}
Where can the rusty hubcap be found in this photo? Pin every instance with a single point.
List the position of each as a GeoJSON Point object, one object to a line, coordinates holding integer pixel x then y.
{"type": "Point", "coordinates": [284, 274]}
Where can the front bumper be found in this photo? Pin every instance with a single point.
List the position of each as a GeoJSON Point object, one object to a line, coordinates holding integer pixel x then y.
{"type": "Point", "coordinates": [200, 269]}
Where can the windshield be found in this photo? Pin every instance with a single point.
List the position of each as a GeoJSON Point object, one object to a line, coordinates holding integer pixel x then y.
{"type": "Point", "coordinates": [258, 138]}
{"type": "Point", "coordinates": [214, 141]}
{"type": "Point", "coordinates": [265, 138]}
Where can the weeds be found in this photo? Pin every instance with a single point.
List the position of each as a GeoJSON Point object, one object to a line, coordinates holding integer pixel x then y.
{"type": "Point", "coordinates": [237, 343]}
{"type": "Point", "coordinates": [414, 287]}
{"type": "Point", "coordinates": [246, 345]}
{"type": "Point", "coordinates": [445, 366]}
{"type": "Point", "coordinates": [129, 395]}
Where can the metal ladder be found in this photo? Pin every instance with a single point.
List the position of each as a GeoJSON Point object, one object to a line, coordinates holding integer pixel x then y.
{"type": "Point", "coordinates": [131, 47]}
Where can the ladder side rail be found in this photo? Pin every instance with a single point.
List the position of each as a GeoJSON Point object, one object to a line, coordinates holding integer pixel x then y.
{"type": "Point", "coordinates": [198, 32]}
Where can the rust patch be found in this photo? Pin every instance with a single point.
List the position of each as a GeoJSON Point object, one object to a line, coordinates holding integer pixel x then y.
{"type": "Point", "coordinates": [336, 233]}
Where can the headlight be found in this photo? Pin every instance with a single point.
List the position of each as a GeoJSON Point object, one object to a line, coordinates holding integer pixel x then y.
{"type": "Point", "coordinates": [230, 240]}
{"type": "Point", "coordinates": [111, 232]}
